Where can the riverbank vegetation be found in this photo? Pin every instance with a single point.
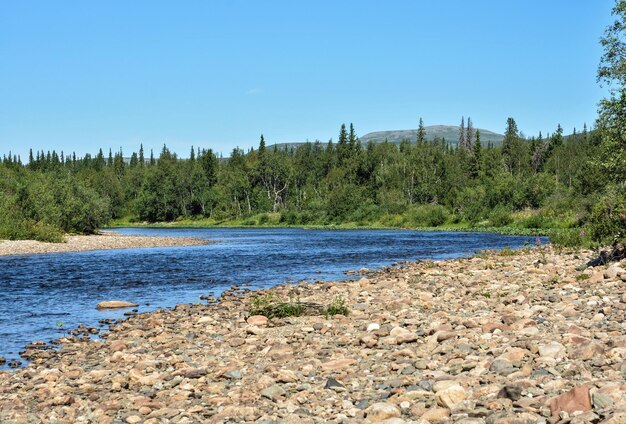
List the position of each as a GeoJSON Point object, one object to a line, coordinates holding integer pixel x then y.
{"type": "Point", "coordinates": [526, 185]}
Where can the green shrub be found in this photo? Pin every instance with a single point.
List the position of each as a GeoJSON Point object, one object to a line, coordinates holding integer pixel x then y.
{"type": "Point", "coordinates": [607, 223]}
{"type": "Point", "coordinates": [500, 216]}
{"type": "Point", "coordinates": [266, 305]}
{"type": "Point", "coordinates": [471, 204]}
{"type": "Point", "coordinates": [568, 237]}
{"type": "Point", "coordinates": [337, 307]}
{"type": "Point", "coordinates": [365, 213]}
{"type": "Point", "coordinates": [535, 220]}
{"type": "Point", "coordinates": [30, 230]}
{"type": "Point", "coordinates": [249, 222]}
{"type": "Point", "coordinates": [427, 216]}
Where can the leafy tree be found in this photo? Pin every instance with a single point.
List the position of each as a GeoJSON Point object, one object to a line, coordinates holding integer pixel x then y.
{"type": "Point", "coordinates": [612, 110]}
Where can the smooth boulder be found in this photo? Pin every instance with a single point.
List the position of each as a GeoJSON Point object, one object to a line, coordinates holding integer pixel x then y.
{"type": "Point", "coordinates": [115, 304]}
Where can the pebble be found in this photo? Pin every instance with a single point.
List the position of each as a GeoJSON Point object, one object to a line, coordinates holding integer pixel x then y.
{"type": "Point", "coordinates": [382, 411]}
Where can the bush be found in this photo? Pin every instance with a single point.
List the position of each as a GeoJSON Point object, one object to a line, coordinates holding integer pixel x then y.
{"type": "Point", "coordinates": [264, 219]}
{"type": "Point", "coordinates": [16, 229]}
{"type": "Point", "coordinates": [427, 216]}
{"type": "Point", "coordinates": [365, 213]}
{"type": "Point", "coordinates": [268, 306]}
{"type": "Point", "coordinates": [607, 223]}
{"type": "Point", "coordinates": [292, 217]}
{"type": "Point", "coordinates": [337, 307]}
{"type": "Point", "coordinates": [535, 220]}
{"type": "Point", "coordinates": [568, 237]}
{"type": "Point", "coordinates": [471, 204]}
{"type": "Point", "coordinates": [500, 216]}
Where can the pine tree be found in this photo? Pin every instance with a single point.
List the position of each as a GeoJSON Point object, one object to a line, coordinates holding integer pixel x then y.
{"type": "Point", "coordinates": [142, 160]}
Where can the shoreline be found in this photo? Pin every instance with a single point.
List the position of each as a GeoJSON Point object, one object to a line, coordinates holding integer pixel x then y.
{"type": "Point", "coordinates": [490, 338]}
{"type": "Point", "coordinates": [103, 241]}
{"type": "Point", "coordinates": [512, 231]}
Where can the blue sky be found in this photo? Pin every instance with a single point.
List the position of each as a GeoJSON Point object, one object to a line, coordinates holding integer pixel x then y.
{"type": "Point", "coordinates": [79, 75]}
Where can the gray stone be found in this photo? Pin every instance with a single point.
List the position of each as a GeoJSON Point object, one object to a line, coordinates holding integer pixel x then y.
{"type": "Point", "coordinates": [601, 401]}
{"type": "Point", "coordinates": [333, 384]}
{"type": "Point", "coordinates": [233, 375]}
{"type": "Point", "coordinates": [273, 392]}
{"type": "Point", "coordinates": [502, 367]}
{"type": "Point", "coordinates": [510, 392]}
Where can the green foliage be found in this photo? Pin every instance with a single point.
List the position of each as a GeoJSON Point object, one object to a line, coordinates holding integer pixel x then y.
{"type": "Point", "coordinates": [269, 306]}
{"type": "Point", "coordinates": [266, 305]}
{"type": "Point", "coordinates": [418, 183]}
{"type": "Point", "coordinates": [427, 216]}
{"type": "Point", "coordinates": [607, 223]}
{"type": "Point", "coordinates": [500, 216]}
{"type": "Point", "coordinates": [337, 307]}
{"type": "Point", "coordinates": [508, 252]}
{"type": "Point", "coordinates": [16, 229]}
{"type": "Point", "coordinates": [568, 237]}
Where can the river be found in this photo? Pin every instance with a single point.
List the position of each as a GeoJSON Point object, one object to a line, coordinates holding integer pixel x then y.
{"type": "Point", "coordinates": [44, 296]}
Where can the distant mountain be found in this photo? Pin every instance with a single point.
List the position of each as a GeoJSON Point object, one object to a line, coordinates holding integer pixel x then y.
{"type": "Point", "coordinates": [449, 132]}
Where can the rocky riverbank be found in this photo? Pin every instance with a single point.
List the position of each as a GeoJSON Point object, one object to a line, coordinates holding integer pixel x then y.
{"type": "Point", "coordinates": [510, 337]}
{"type": "Point", "coordinates": [104, 241]}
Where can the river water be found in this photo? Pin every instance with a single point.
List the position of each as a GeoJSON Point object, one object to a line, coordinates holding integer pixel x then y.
{"type": "Point", "coordinates": [44, 296]}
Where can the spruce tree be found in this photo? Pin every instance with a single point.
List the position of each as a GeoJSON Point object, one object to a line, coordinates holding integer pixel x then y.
{"type": "Point", "coordinates": [421, 133]}
{"type": "Point", "coordinates": [469, 135]}
{"type": "Point", "coordinates": [342, 145]}
{"type": "Point", "coordinates": [462, 138]}
{"type": "Point", "coordinates": [352, 138]}
{"type": "Point", "coordinates": [476, 156]}
{"type": "Point", "coordinates": [510, 138]}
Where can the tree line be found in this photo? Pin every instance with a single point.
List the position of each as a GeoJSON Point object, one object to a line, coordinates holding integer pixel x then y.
{"type": "Point", "coordinates": [526, 182]}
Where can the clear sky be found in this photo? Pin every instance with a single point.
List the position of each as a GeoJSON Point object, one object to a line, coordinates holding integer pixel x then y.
{"type": "Point", "coordinates": [80, 75]}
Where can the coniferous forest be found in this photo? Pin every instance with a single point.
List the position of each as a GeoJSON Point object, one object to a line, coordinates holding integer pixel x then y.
{"type": "Point", "coordinates": [543, 183]}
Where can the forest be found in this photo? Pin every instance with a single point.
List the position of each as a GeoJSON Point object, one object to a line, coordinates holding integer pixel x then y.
{"type": "Point", "coordinates": [549, 185]}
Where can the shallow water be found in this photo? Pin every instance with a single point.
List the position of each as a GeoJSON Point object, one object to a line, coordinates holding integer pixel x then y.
{"type": "Point", "coordinates": [43, 296]}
